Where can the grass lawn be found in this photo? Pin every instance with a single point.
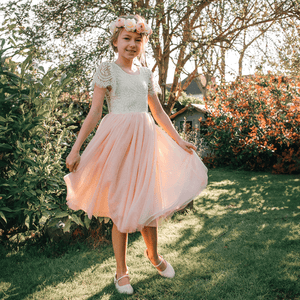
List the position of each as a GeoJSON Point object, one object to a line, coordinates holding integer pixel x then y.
{"type": "Point", "coordinates": [241, 241]}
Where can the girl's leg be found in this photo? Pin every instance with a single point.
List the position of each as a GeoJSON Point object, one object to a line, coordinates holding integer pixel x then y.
{"type": "Point", "coordinates": [150, 237]}
{"type": "Point", "coordinates": [119, 241]}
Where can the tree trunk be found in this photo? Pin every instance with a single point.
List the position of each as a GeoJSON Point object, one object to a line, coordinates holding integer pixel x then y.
{"type": "Point", "coordinates": [223, 63]}
{"type": "Point", "coordinates": [241, 63]}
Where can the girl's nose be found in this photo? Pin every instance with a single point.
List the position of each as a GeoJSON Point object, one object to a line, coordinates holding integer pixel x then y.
{"type": "Point", "coordinates": [132, 43]}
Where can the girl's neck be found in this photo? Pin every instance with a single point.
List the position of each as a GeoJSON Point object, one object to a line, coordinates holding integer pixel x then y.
{"type": "Point", "coordinates": [125, 63]}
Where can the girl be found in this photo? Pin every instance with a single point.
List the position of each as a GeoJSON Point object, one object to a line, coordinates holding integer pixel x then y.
{"type": "Point", "coordinates": [132, 171]}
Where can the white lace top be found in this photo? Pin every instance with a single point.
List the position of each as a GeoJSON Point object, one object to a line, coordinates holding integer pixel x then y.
{"type": "Point", "coordinates": [125, 92]}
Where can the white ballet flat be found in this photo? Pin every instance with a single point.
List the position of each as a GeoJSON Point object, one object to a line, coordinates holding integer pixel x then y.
{"type": "Point", "coordinates": [123, 289]}
{"type": "Point", "coordinates": [168, 272]}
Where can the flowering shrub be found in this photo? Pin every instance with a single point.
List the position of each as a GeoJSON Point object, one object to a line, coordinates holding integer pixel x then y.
{"type": "Point", "coordinates": [255, 123]}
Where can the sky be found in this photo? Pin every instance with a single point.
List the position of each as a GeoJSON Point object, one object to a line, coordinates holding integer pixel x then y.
{"type": "Point", "coordinates": [231, 59]}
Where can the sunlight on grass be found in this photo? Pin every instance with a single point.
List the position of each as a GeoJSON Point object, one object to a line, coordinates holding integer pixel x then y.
{"type": "Point", "coordinates": [215, 231]}
{"type": "Point", "coordinates": [4, 286]}
{"type": "Point", "coordinates": [216, 195]}
{"type": "Point", "coordinates": [241, 241]}
{"type": "Point", "coordinates": [222, 183]}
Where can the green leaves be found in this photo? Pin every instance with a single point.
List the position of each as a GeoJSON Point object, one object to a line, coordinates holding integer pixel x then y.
{"type": "Point", "coordinates": [5, 147]}
{"type": "Point", "coordinates": [77, 220]}
{"type": "Point", "coordinates": [2, 216]}
{"type": "Point", "coordinates": [27, 139]}
{"type": "Point", "coordinates": [38, 124]}
{"type": "Point", "coordinates": [67, 226]}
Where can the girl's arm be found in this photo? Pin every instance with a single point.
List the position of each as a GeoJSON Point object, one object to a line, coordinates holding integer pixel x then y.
{"type": "Point", "coordinates": [164, 121]}
{"type": "Point", "coordinates": [92, 119]}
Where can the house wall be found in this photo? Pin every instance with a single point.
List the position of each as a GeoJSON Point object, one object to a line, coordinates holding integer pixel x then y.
{"type": "Point", "coordinates": [194, 116]}
{"type": "Point", "coordinates": [191, 115]}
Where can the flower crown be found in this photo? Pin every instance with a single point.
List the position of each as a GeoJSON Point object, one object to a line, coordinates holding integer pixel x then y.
{"type": "Point", "coordinates": [130, 25]}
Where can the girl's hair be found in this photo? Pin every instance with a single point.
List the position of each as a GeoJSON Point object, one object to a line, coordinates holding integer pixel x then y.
{"type": "Point", "coordinates": [115, 35]}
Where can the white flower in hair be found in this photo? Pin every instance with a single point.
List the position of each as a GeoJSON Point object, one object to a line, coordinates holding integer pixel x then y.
{"type": "Point", "coordinates": [130, 25]}
{"type": "Point", "coordinates": [112, 26]}
{"type": "Point", "coordinates": [148, 29]}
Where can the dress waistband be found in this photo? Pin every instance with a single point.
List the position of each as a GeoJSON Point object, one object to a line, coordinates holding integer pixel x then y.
{"type": "Point", "coordinates": [129, 112]}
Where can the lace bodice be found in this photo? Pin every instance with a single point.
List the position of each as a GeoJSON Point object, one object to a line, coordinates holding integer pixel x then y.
{"type": "Point", "coordinates": [125, 92]}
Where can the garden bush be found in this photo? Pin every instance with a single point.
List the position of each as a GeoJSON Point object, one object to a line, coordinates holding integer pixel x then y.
{"type": "Point", "coordinates": [32, 143]}
{"type": "Point", "coordinates": [39, 123]}
{"type": "Point", "coordinates": [255, 124]}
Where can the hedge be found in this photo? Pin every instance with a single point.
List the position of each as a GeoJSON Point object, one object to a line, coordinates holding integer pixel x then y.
{"type": "Point", "coordinates": [255, 124]}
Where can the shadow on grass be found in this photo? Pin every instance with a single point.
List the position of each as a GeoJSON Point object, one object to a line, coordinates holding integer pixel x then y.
{"type": "Point", "coordinates": [240, 242]}
{"type": "Point", "coordinates": [114, 295]}
{"type": "Point", "coordinates": [247, 238]}
{"type": "Point", "coordinates": [28, 271]}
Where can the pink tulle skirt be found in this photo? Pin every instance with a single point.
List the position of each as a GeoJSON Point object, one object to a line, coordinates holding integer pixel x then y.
{"type": "Point", "coordinates": [134, 173]}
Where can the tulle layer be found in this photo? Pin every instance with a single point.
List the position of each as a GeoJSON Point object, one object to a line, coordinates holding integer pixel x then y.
{"type": "Point", "coordinates": [134, 173]}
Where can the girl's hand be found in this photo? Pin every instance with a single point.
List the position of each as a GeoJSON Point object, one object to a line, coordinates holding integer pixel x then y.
{"type": "Point", "coordinates": [187, 146]}
{"type": "Point", "coordinates": [72, 161]}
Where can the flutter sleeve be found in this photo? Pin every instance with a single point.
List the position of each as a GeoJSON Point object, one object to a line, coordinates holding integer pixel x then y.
{"type": "Point", "coordinates": [153, 86]}
{"type": "Point", "coordinates": [103, 76]}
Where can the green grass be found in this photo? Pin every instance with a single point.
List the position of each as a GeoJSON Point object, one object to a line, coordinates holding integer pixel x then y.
{"type": "Point", "coordinates": [241, 241]}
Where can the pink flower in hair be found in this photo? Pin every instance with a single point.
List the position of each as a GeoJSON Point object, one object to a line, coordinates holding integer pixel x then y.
{"type": "Point", "coordinates": [140, 27]}
{"type": "Point", "coordinates": [120, 22]}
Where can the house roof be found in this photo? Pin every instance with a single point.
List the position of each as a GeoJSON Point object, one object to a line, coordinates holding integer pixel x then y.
{"type": "Point", "coordinates": [198, 107]}
{"type": "Point", "coordinates": [192, 89]}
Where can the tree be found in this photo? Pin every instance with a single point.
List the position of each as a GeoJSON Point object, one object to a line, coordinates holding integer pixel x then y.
{"type": "Point", "coordinates": [246, 44]}
{"type": "Point", "coordinates": [208, 30]}
{"type": "Point", "coordinates": [183, 31]}
{"type": "Point", "coordinates": [288, 48]}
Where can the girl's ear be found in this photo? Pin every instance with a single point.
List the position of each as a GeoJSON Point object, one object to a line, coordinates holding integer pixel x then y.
{"type": "Point", "coordinates": [115, 43]}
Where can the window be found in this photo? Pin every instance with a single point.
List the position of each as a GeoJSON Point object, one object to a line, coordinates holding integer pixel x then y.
{"type": "Point", "coordinates": [189, 125]}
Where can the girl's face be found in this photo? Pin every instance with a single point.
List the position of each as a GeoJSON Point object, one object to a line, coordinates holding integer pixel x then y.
{"type": "Point", "coordinates": [129, 44]}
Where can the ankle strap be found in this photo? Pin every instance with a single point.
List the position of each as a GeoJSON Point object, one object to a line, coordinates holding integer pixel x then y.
{"type": "Point", "coordinates": [162, 259]}
{"type": "Point", "coordinates": [126, 275]}
{"type": "Point", "coordinates": [155, 266]}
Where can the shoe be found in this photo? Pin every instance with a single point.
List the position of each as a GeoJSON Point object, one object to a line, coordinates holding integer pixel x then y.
{"type": "Point", "coordinates": [123, 289]}
{"type": "Point", "coordinates": [168, 272]}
